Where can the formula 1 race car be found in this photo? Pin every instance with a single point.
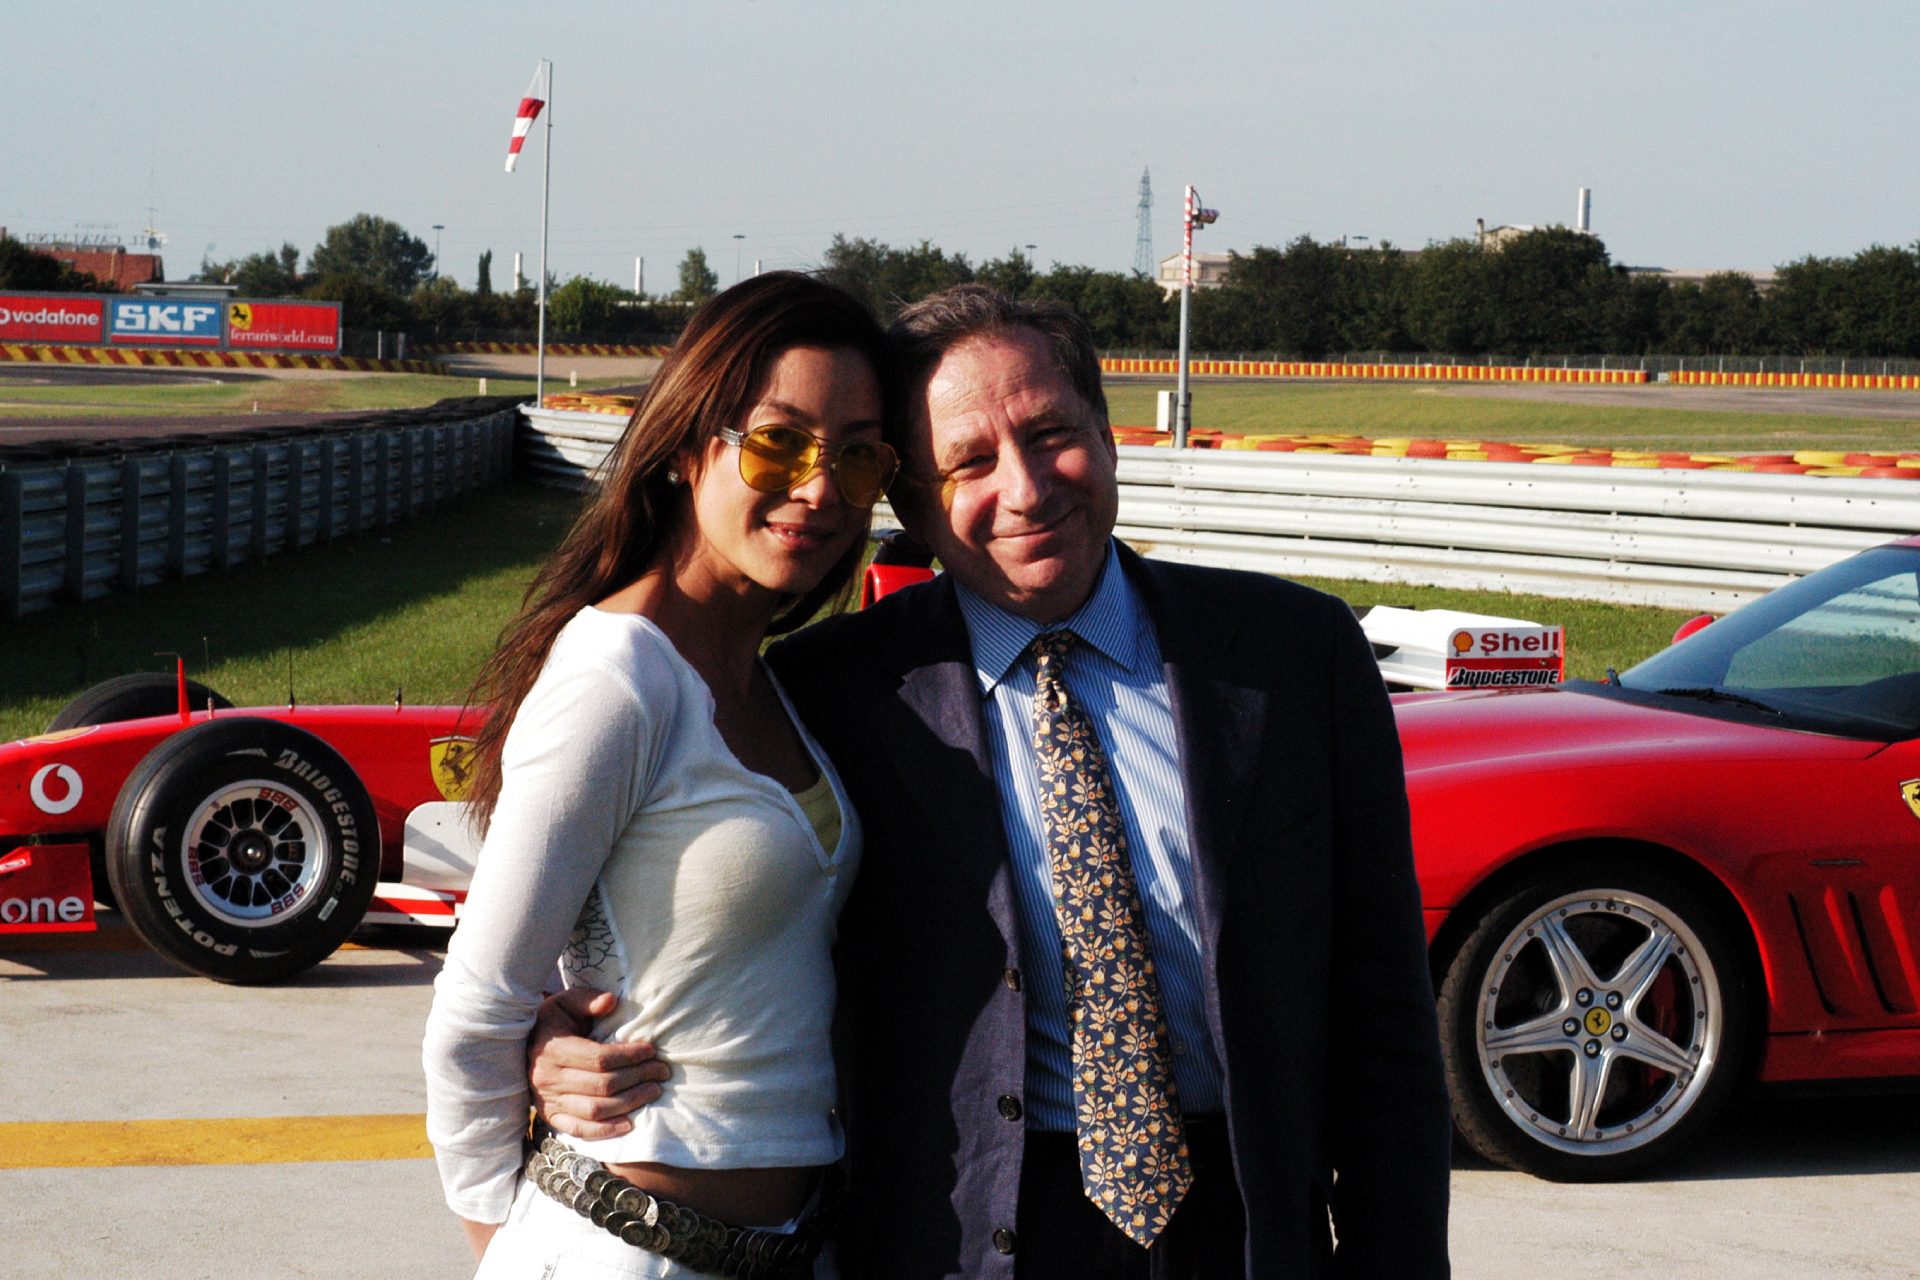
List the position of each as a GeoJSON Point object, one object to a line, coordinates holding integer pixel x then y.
{"type": "Point", "coordinates": [243, 844]}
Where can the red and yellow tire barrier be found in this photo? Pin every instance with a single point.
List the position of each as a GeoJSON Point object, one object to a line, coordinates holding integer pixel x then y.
{"type": "Point", "coordinates": [1384, 372]}
{"type": "Point", "coordinates": [591, 402]}
{"type": "Point", "coordinates": [1811, 462]}
{"type": "Point", "coordinates": [530, 348]}
{"type": "Point", "coordinates": [124, 356]}
{"type": "Point", "coordinates": [1798, 381]}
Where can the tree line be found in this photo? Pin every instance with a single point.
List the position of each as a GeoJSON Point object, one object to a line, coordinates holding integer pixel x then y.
{"type": "Point", "coordinates": [1546, 292]}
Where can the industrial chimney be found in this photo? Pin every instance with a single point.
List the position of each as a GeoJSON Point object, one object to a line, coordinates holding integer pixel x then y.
{"type": "Point", "coordinates": [1583, 216]}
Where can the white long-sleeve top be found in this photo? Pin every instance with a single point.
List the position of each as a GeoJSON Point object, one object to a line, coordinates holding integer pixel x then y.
{"type": "Point", "coordinates": [630, 843]}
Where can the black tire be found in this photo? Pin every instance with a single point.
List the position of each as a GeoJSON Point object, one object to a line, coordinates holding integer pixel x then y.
{"type": "Point", "coordinates": [133, 697]}
{"type": "Point", "coordinates": [243, 849]}
{"type": "Point", "coordinates": [1629, 957]}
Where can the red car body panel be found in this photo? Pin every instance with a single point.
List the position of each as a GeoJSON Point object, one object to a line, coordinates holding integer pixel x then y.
{"type": "Point", "coordinates": [1807, 833]}
{"type": "Point", "coordinates": [387, 746]}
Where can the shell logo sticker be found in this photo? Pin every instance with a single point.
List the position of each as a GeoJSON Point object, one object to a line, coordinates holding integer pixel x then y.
{"type": "Point", "coordinates": [1910, 792]}
{"type": "Point", "coordinates": [71, 788]}
{"type": "Point", "coordinates": [1598, 1020]}
{"type": "Point", "coordinates": [240, 316]}
{"type": "Point", "coordinates": [1462, 642]}
{"type": "Point", "coordinates": [451, 760]}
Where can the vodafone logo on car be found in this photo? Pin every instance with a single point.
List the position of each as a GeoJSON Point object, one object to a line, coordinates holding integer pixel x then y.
{"type": "Point", "coordinates": [56, 789]}
{"type": "Point", "coordinates": [37, 318]}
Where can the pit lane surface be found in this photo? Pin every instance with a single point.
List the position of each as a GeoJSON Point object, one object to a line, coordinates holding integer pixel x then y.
{"type": "Point", "coordinates": [332, 1178]}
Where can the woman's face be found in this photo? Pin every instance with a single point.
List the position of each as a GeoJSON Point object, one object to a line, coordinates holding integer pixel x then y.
{"type": "Point", "coordinates": [784, 542]}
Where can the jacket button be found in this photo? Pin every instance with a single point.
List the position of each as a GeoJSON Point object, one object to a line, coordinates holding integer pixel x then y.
{"type": "Point", "coordinates": [1003, 1240]}
{"type": "Point", "coordinates": [1012, 978]}
{"type": "Point", "coordinates": [1009, 1107]}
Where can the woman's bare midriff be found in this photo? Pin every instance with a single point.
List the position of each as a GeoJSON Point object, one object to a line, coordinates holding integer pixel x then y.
{"type": "Point", "coordinates": [738, 1197]}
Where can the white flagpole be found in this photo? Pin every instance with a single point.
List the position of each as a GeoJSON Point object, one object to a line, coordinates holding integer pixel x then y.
{"type": "Point", "coordinates": [546, 188]}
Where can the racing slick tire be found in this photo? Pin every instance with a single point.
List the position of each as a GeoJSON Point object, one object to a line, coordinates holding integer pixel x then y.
{"type": "Point", "coordinates": [128, 697]}
{"type": "Point", "coordinates": [1594, 1022]}
{"type": "Point", "coordinates": [243, 849]}
{"type": "Point", "coordinates": [133, 697]}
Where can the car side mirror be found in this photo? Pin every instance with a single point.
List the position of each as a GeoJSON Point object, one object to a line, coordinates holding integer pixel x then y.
{"type": "Point", "coordinates": [1691, 625]}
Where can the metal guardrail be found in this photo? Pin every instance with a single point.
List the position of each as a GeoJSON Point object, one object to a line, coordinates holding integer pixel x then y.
{"type": "Point", "coordinates": [1679, 539]}
{"type": "Point", "coordinates": [118, 516]}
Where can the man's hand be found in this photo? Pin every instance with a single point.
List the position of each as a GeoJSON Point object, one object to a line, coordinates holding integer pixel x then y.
{"type": "Point", "coordinates": [581, 1087]}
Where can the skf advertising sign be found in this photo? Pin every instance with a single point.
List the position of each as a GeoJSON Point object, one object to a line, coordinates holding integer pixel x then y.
{"type": "Point", "coordinates": [1504, 657]}
{"type": "Point", "coordinates": [283, 326]}
{"type": "Point", "coordinates": [27, 317]}
{"type": "Point", "coordinates": [169, 322]}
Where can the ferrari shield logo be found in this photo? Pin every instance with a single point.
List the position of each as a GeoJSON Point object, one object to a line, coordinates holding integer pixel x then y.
{"type": "Point", "coordinates": [1910, 792]}
{"type": "Point", "coordinates": [240, 316]}
{"type": "Point", "coordinates": [452, 762]}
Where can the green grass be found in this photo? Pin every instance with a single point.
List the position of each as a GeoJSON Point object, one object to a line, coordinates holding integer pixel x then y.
{"type": "Point", "coordinates": [1440, 413]}
{"type": "Point", "coordinates": [420, 605]}
{"type": "Point", "coordinates": [417, 606]}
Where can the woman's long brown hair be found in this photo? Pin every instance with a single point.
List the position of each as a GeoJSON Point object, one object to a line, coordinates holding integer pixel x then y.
{"type": "Point", "coordinates": [709, 381]}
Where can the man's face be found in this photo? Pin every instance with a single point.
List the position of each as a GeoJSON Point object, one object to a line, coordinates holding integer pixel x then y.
{"type": "Point", "coordinates": [1010, 477]}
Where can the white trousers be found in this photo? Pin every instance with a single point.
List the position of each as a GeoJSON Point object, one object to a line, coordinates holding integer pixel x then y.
{"type": "Point", "coordinates": [542, 1239]}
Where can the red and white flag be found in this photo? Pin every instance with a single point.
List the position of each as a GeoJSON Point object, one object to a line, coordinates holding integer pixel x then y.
{"type": "Point", "coordinates": [529, 108]}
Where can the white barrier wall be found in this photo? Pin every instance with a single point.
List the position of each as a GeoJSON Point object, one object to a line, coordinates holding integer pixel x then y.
{"type": "Point", "coordinates": [1703, 540]}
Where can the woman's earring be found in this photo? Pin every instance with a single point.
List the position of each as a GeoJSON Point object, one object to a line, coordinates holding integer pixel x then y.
{"type": "Point", "coordinates": [673, 475]}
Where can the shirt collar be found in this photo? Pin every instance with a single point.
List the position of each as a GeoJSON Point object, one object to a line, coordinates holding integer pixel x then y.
{"type": "Point", "coordinates": [1109, 621]}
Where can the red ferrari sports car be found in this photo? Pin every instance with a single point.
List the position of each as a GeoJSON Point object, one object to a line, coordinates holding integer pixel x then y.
{"type": "Point", "coordinates": [1640, 893]}
{"type": "Point", "coordinates": [1704, 870]}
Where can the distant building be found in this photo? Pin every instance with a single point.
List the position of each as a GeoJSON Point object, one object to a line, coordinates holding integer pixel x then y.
{"type": "Point", "coordinates": [110, 264]}
{"type": "Point", "coordinates": [1209, 271]}
{"type": "Point", "coordinates": [1762, 280]}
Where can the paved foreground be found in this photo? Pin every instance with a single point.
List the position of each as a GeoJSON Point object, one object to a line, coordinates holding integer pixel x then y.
{"type": "Point", "coordinates": [91, 1040]}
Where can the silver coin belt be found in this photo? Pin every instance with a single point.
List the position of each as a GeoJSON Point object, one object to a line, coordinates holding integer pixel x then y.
{"type": "Point", "coordinates": [674, 1231]}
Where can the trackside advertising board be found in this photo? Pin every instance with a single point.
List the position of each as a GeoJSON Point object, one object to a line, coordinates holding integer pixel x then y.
{"type": "Point", "coordinates": [48, 317]}
{"type": "Point", "coordinates": [168, 322]}
{"type": "Point", "coordinates": [283, 326]}
{"type": "Point", "coordinates": [240, 324]}
{"type": "Point", "coordinates": [1506, 657]}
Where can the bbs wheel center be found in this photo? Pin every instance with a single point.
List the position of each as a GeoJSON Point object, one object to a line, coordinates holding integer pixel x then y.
{"type": "Point", "coordinates": [253, 853]}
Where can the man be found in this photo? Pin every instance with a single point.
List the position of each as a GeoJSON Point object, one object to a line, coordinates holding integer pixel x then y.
{"type": "Point", "coordinates": [1133, 978]}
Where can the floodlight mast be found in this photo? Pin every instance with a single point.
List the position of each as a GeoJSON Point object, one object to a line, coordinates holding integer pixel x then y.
{"type": "Point", "coordinates": [1195, 218]}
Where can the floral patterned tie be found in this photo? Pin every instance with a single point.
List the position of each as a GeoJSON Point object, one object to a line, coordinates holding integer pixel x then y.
{"type": "Point", "coordinates": [1133, 1151]}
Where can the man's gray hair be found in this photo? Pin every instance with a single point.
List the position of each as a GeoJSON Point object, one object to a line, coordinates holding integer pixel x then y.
{"type": "Point", "coordinates": [933, 326]}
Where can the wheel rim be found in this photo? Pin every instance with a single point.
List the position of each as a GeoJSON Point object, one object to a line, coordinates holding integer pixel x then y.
{"type": "Point", "coordinates": [1599, 1022]}
{"type": "Point", "coordinates": [254, 853]}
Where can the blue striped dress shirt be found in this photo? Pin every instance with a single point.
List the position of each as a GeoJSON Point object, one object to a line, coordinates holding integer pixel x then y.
{"type": "Point", "coordinates": [1116, 675]}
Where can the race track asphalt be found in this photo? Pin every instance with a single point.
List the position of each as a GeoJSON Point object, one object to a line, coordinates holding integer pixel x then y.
{"type": "Point", "coordinates": [104, 1033]}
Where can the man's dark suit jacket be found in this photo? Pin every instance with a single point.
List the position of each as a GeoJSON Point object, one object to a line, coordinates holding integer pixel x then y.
{"type": "Point", "coordinates": [1318, 997]}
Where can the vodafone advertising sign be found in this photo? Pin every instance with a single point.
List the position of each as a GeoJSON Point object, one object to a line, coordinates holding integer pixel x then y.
{"type": "Point", "coordinates": [27, 317]}
{"type": "Point", "coordinates": [283, 326]}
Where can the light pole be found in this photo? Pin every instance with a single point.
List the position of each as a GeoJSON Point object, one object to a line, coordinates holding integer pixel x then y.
{"type": "Point", "coordinates": [1196, 217]}
{"type": "Point", "coordinates": [737, 238]}
{"type": "Point", "coordinates": [438, 227]}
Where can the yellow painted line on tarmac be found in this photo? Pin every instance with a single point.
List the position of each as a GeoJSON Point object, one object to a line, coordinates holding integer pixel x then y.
{"type": "Point", "coordinates": [68, 1144]}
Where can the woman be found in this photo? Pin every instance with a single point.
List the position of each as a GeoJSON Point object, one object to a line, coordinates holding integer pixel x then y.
{"type": "Point", "coordinates": [657, 819]}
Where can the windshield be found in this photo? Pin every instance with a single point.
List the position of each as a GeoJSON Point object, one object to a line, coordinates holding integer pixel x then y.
{"type": "Point", "coordinates": [1838, 651]}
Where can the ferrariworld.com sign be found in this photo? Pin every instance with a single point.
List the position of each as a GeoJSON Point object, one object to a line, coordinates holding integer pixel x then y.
{"type": "Point", "coordinates": [31, 317]}
{"type": "Point", "coordinates": [283, 326]}
{"type": "Point", "coordinates": [1506, 657]}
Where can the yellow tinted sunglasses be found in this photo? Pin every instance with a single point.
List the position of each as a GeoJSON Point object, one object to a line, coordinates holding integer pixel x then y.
{"type": "Point", "coordinates": [776, 458]}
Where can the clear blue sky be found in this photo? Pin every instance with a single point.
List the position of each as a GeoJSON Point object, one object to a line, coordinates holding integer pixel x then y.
{"type": "Point", "coordinates": [1714, 133]}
